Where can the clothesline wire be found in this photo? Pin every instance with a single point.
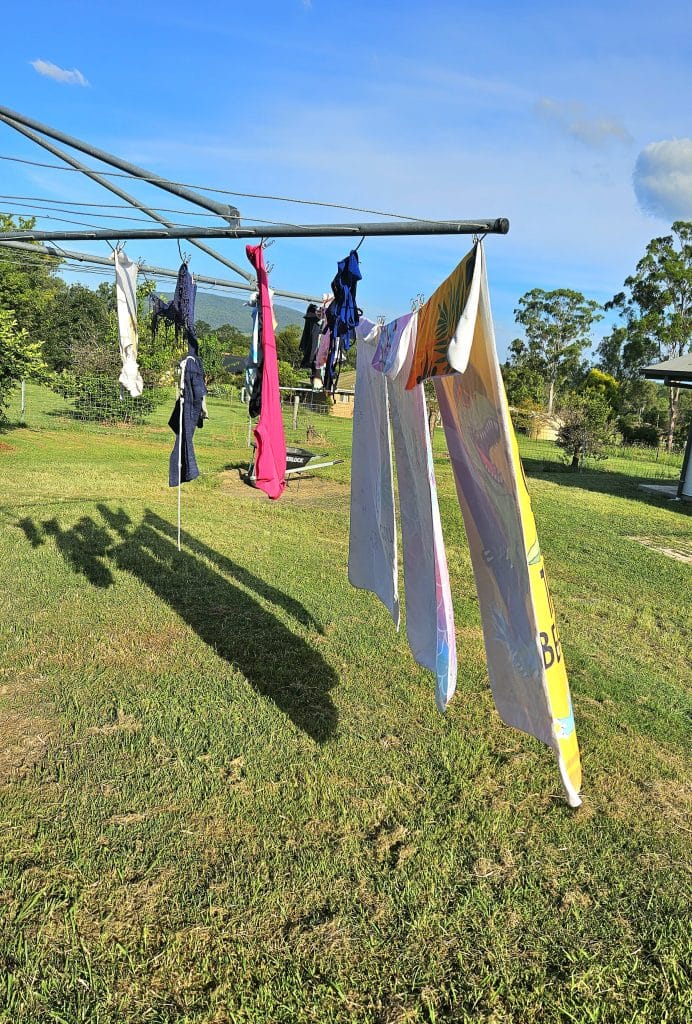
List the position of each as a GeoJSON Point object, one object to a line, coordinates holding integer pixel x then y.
{"type": "Point", "coordinates": [92, 211]}
{"type": "Point", "coordinates": [107, 216]}
{"type": "Point", "coordinates": [106, 206]}
{"type": "Point", "coordinates": [34, 262]}
{"type": "Point", "coordinates": [220, 191]}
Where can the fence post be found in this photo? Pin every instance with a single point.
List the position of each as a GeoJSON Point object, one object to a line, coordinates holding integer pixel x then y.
{"type": "Point", "coordinates": [296, 403]}
{"type": "Point", "coordinates": [22, 408]}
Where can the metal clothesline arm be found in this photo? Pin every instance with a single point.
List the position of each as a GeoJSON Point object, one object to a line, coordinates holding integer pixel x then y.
{"type": "Point", "coordinates": [116, 190]}
{"type": "Point", "coordinates": [494, 226]}
{"type": "Point", "coordinates": [104, 261]}
{"type": "Point", "coordinates": [225, 210]}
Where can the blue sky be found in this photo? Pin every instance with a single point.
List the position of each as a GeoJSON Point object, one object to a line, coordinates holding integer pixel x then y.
{"type": "Point", "coordinates": [573, 121]}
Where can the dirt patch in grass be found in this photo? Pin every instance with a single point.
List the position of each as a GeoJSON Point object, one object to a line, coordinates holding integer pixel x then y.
{"type": "Point", "coordinates": [5, 447]}
{"type": "Point", "coordinates": [671, 547]}
{"type": "Point", "coordinates": [122, 723]}
{"type": "Point", "coordinates": [24, 744]}
{"type": "Point", "coordinates": [305, 490]}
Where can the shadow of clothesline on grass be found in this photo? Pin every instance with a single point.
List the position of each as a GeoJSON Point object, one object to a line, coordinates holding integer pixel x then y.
{"type": "Point", "coordinates": [214, 602]}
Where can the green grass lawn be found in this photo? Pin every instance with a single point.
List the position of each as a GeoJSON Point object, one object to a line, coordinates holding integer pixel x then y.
{"type": "Point", "coordinates": [226, 794]}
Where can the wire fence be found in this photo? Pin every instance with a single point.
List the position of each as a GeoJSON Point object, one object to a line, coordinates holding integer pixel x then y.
{"type": "Point", "coordinates": [632, 460]}
{"type": "Point", "coordinates": [92, 403]}
{"type": "Point", "coordinates": [310, 418]}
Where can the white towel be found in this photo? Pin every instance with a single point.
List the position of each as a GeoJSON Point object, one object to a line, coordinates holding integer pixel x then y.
{"type": "Point", "coordinates": [126, 303]}
{"type": "Point", "coordinates": [372, 554]}
{"type": "Point", "coordinates": [429, 613]}
{"type": "Point", "coordinates": [372, 540]}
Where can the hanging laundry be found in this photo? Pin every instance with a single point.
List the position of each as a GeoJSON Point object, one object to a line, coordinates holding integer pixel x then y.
{"type": "Point", "coordinates": [191, 403]}
{"type": "Point", "coordinates": [180, 310]}
{"type": "Point", "coordinates": [372, 553]}
{"type": "Point", "coordinates": [323, 349]}
{"type": "Point", "coordinates": [344, 312]}
{"type": "Point", "coordinates": [438, 320]}
{"type": "Point", "coordinates": [270, 458]}
{"type": "Point", "coordinates": [372, 540]}
{"type": "Point", "coordinates": [253, 371]}
{"type": "Point", "coordinates": [126, 304]}
{"type": "Point", "coordinates": [525, 660]}
{"type": "Point", "coordinates": [429, 611]}
{"type": "Point", "coordinates": [310, 338]}
{"type": "Point", "coordinates": [342, 316]}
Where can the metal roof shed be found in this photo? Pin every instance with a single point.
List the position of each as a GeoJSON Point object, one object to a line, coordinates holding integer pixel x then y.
{"type": "Point", "coordinates": [677, 373]}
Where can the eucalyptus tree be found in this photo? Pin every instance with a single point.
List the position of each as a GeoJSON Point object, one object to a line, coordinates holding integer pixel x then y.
{"type": "Point", "coordinates": [558, 326]}
{"type": "Point", "coordinates": [656, 307]}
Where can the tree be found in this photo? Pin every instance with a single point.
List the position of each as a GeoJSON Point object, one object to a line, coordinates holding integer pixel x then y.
{"type": "Point", "coordinates": [287, 344]}
{"type": "Point", "coordinates": [605, 385]}
{"type": "Point", "coordinates": [20, 357]}
{"type": "Point", "coordinates": [202, 328]}
{"type": "Point", "coordinates": [557, 326]}
{"type": "Point", "coordinates": [657, 307]}
{"type": "Point", "coordinates": [524, 385]}
{"type": "Point", "coordinates": [211, 354]}
{"type": "Point", "coordinates": [586, 428]}
{"type": "Point", "coordinates": [232, 341]}
{"type": "Point", "coordinates": [28, 282]}
{"type": "Point", "coordinates": [76, 317]}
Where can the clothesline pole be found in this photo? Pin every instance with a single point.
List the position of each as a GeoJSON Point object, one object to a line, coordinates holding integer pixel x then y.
{"type": "Point", "coordinates": [225, 210]}
{"type": "Point", "coordinates": [116, 190]}
{"type": "Point", "coordinates": [180, 442]}
{"type": "Point", "coordinates": [491, 226]}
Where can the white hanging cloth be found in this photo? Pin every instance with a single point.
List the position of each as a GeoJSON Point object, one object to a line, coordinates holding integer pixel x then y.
{"type": "Point", "coordinates": [372, 554]}
{"type": "Point", "coordinates": [126, 271]}
{"type": "Point", "coordinates": [380, 393]}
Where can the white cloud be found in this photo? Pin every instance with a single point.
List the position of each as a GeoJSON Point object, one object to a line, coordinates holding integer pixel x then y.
{"type": "Point", "coordinates": [663, 179]}
{"type": "Point", "coordinates": [58, 74]}
{"type": "Point", "coordinates": [570, 118]}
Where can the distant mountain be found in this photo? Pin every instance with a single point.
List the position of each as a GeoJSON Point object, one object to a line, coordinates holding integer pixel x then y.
{"type": "Point", "coordinates": [222, 309]}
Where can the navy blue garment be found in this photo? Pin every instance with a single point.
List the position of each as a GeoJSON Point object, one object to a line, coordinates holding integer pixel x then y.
{"type": "Point", "coordinates": [343, 310]}
{"type": "Point", "coordinates": [343, 316]}
{"type": "Point", "coordinates": [180, 310]}
{"type": "Point", "coordinates": [194, 390]}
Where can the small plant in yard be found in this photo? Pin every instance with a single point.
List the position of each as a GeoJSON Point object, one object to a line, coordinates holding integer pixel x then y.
{"type": "Point", "coordinates": [586, 429]}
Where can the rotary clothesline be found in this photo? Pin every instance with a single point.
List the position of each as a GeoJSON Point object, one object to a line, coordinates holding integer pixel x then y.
{"type": "Point", "coordinates": [449, 340]}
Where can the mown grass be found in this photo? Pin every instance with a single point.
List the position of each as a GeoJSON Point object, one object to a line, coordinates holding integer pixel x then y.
{"type": "Point", "coordinates": [226, 795]}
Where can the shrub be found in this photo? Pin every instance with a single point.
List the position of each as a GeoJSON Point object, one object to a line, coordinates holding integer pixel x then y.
{"type": "Point", "coordinates": [586, 430]}
{"type": "Point", "coordinates": [641, 433]}
{"type": "Point", "coordinates": [288, 378]}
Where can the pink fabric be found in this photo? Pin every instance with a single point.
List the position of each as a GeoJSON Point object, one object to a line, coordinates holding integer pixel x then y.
{"type": "Point", "coordinates": [270, 458]}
